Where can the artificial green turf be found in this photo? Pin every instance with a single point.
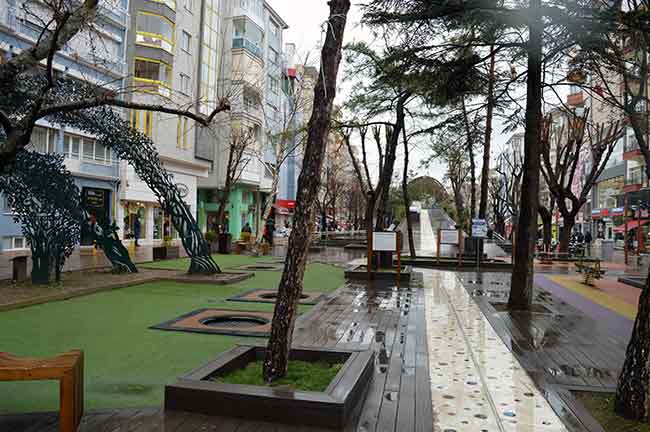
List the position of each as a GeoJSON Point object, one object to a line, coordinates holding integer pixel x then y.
{"type": "Point", "coordinates": [128, 364]}
{"type": "Point", "coordinates": [229, 261]}
{"type": "Point", "coordinates": [601, 407]}
{"type": "Point", "coordinates": [301, 375]}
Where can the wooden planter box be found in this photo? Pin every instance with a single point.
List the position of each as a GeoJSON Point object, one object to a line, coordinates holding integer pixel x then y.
{"type": "Point", "coordinates": [360, 272]}
{"type": "Point", "coordinates": [332, 408]}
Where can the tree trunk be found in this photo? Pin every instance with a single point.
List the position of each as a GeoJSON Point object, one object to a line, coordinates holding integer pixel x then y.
{"type": "Point", "coordinates": [547, 222]}
{"type": "Point", "coordinates": [472, 164]}
{"type": "Point", "coordinates": [266, 211]}
{"type": "Point", "coordinates": [41, 261]}
{"type": "Point", "coordinates": [405, 194]}
{"type": "Point", "coordinates": [290, 288]}
{"type": "Point", "coordinates": [565, 238]}
{"type": "Point", "coordinates": [485, 169]}
{"type": "Point", "coordinates": [386, 175]}
{"type": "Point", "coordinates": [521, 285]}
{"type": "Point", "coordinates": [633, 388]}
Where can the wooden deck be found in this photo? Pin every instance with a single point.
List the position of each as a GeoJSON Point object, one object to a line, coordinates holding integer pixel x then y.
{"type": "Point", "coordinates": [383, 318]}
{"type": "Point", "coordinates": [559, 346]}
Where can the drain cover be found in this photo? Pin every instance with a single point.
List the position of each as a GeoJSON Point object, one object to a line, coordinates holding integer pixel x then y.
{"type": "Point", "coordinates": [233, 321]}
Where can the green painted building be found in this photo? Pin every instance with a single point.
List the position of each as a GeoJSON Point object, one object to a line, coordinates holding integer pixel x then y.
{"type": "Point", "coordinates": [244, 205]}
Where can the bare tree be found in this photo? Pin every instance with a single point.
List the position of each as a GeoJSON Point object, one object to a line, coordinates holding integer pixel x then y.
{"type": "Point", "coordinates": [567, 145]}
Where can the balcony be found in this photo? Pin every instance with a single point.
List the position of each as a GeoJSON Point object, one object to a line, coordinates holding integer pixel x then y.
{"type": "Point", "coordinates": [243, 43]}
{"type": "Point", "coordinates": [635, 179]}
{"type": "Point", "coordinates": [632, 151]}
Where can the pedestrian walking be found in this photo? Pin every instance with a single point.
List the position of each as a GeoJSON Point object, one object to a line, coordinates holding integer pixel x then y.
{"type": "Point", "coordinates": [588, 240]}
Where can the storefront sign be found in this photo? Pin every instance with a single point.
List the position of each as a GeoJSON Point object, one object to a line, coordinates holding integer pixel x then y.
{"type": "Point", "coordinates": [95, 198]}
{"type": "Point", "coordinates": [288, 204]}
{"type": "Point", "coordinates": [618, 211]}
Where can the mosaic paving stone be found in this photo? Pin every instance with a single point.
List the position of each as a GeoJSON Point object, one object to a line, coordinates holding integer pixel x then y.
{"type": "Point", "coordinates": [476, 382]}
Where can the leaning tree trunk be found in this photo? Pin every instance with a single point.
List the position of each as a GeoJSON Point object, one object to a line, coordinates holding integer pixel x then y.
{"type": "Point", "coordinates": [632, 398]}
{"type": "Point", "coordinates": [286, 307]}
{"type": "Point", "coordinates": [407, 199]}
{"type": "Point", "coordinates": [521, 284]}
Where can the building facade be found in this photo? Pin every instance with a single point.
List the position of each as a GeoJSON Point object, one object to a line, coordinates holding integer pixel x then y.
{"type": "Point", "coordinates": [165, 66]}
{"type": "Point", "coordinates": [251, 77]}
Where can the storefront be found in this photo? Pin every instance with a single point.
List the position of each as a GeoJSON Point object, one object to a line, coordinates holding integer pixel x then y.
{"type": "Point", "coordinates": [97, 202]}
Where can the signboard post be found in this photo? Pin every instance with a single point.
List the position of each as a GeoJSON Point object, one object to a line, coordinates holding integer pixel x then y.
{"type": "Point", "coordinates": [438, 247]}
{"type": "Point", "coordinates": [398, 248]}
{"type": "Point", "coordinates": [479, 232]}
{"type": "Point", "coordinates": [369, 264]}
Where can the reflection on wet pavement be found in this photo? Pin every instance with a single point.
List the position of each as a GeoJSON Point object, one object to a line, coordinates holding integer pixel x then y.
{"type": "Point", "coordinates": [477, 383]}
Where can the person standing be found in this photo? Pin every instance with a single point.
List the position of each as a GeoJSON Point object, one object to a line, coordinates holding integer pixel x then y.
{"type": "Point", "coordinates": [588, 240]}
{"type": "Point", "coordinates": [136, 229]}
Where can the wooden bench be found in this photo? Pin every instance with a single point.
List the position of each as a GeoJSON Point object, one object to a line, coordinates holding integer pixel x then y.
{"type": "Point", "coordinates": [68, 368]}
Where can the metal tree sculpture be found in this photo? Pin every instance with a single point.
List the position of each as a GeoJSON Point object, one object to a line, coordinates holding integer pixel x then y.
{"type": "Point", "coordinates": [135, 147]}
{"type": "Point", "coordinates": [109, 241]}
{"type": "Point", "coordinates": [47, 204]}
{"type": "Point", "coordinates": [43, 195]}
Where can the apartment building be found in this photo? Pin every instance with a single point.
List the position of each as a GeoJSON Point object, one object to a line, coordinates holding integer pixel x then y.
{"type": "Point", "coordinates": [97, 57]}
{"type": "Point", "coordinates": [168, 64]}
{"type": "Point", "coordinates": [251, 76]}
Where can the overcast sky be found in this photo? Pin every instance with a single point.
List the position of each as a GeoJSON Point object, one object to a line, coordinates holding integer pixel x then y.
{"type": "Point", "coordinates": [305, 19]}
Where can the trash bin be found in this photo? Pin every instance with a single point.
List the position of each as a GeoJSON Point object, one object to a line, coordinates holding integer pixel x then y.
{"type": "Point", "coordinates": [225, 240]}
{"type": "Point", "coordinates": [19, 269]}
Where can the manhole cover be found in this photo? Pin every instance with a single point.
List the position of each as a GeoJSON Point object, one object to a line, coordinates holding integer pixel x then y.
{"type": "Point", "coordinates": [233, 321]}
{"type": "Point", "coordinates": [275, 295]}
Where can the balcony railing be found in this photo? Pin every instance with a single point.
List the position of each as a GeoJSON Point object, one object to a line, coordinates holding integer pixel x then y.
{"type": "Point", "coordinates": [243, 43]}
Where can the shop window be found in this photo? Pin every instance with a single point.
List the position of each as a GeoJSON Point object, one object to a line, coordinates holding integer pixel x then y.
{"type": "Point", "coordinates": [133, 211]}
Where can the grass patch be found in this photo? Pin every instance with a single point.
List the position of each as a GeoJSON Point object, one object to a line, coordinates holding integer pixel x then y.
{"type": "Point", "coordinates": [601, 406]}
{"type": "Point", "coordinates": [226, 261]}
{"type": "Point", "coordinates": [301, 375]}
{"type": "Point", "coordinates": [126, 363]}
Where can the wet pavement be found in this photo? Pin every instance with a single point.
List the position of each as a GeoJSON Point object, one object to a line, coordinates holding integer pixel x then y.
{"type": "Point", "coordinates": [477, 383]}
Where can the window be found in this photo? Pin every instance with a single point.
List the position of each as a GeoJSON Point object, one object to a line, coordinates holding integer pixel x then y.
{"type": "Point", "coordinates": [186, 41]}
{"type": "Point", "coordinates": [42, 140]}
{"type": "Point", "coordinates": [275, 30]}
{"type": "Point", "coordinates": [19, 243]}
{"type": "Point", "coordinates": [247, 35]}
{"type": "Point", "coordinates": [273, 85]}
{"type": "Point", "coordinates": [185, 84]}
{"type": "Point", "coordinates": [185, 134]}
{"type": "Point", "coordinates": [179, 133]}
{"type": "Point", "coordinates": [71, 146]}
{"type": "Point", "coordinates": [153, 75]}
{"type": "Point", "coordinates": [155, 30]}
{"type": "Point", "coordinates": [274, 57]}
{"type": "Point", "coordinates": [250, 101]}
{"type": "Point", "coordinates": [142, 121]}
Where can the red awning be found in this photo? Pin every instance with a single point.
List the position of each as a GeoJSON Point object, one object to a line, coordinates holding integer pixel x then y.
{"type": "Point", "coordinates": [631, 225]}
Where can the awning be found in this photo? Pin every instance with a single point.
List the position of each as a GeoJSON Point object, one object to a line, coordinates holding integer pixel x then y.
{"type": "Point", "coordinates": [631, 225]}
